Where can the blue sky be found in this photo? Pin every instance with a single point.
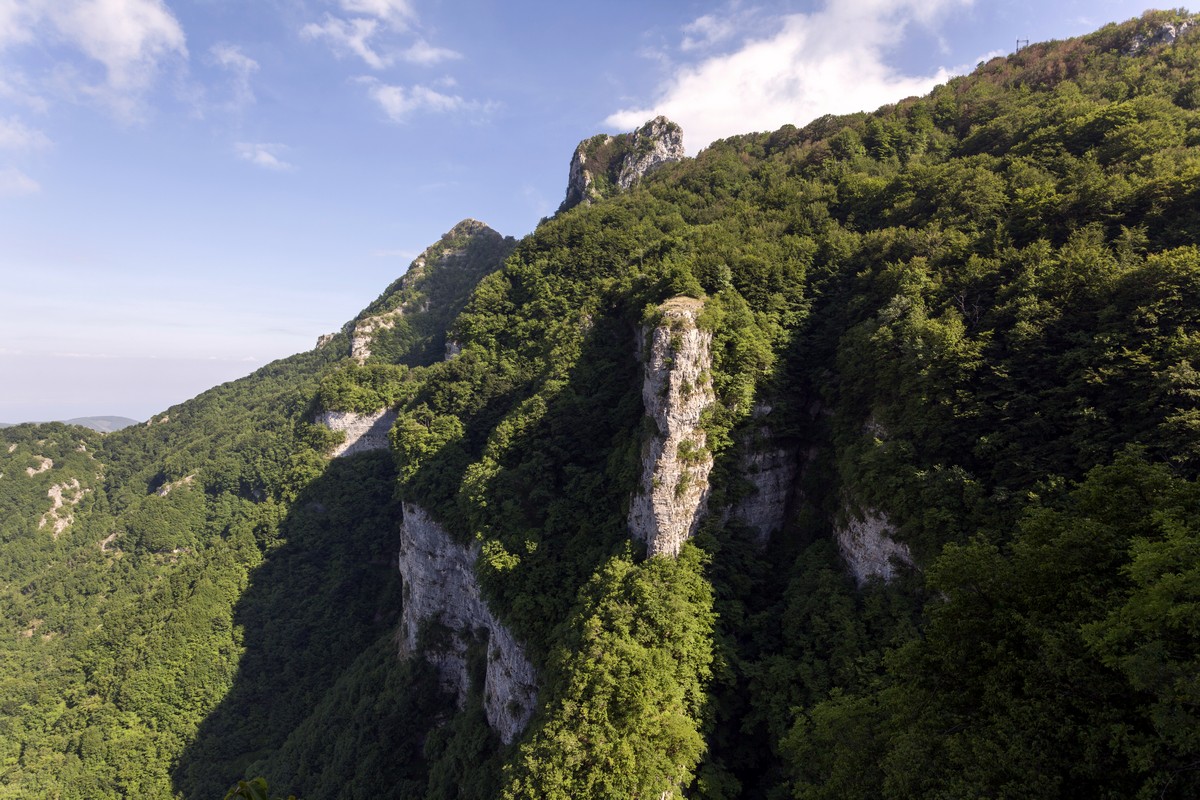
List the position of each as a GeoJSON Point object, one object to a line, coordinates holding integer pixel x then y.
{"type": "Point", "coordinates": [189, 190]}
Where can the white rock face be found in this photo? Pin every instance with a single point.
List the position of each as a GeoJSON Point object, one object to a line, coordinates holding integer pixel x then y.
{"type": "Point", "coordinates": [580, 181]}
{"type": "Point", "coordinates": [63, 495]}
{"type": "Point", "coordinates": [677, 387]}
{"type": "Point", "coordinates": [658, 142]}
{"type": "Point", "coordinates": [364, 432]}
{"type": "Point", "coordinates": [1166, 34]}
{"type": "Point", "coordinates": [868, 548]}
{"type": "Point", "coordinates": [624, 160]}
{"type": "Point", "coordinates": [441, 597]}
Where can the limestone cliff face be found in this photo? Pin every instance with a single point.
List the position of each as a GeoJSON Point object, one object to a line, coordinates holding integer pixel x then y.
{"type": "Point", "coordinates": [658, 142]}
{"type": "Point", "coordinates": [866, 544]}
{"type": "Point", "coordinates": [677, 388]}
{"type": "Point", "coordinates": [444, 615]}
{"type": "Point", "coordinates": [364, 432]}
{"type": "Point", "coordinates": [772, 473]}
{"type": "Point", "coordinates": [604, 165]}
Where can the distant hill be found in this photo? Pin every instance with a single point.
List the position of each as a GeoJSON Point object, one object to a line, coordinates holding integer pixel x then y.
{"type": "Point", "coordinates": [102, 424]}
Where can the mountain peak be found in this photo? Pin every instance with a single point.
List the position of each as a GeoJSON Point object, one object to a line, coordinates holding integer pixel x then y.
{"type": "Point", "coordinates": [408, 322]}
{"type": "Point", "coordinates": [605, 165]}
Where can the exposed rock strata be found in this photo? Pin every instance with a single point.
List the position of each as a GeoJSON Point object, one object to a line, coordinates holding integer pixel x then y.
{"type": "Point", "coordinates": [677, 387]}
{"type": "Point", "coordinates": [444, 614]}
{"type": "Point", "coordinates": [867, 546]}
{"type": "Point", "coordinates": [605, 164]}
{"type": "Point", "coordinates": [364, 432]}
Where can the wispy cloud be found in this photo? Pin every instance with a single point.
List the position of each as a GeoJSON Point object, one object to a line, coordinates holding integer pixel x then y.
{"type": "Point", "coordinates": [401, 102]}
{"type": "Point", "coordinates": [240, 66]}
{"type": "Point", "coordinates": [827, 61]}
{"type": "Point", "coordinates": [397, 13]}
{"type": "Point", "coordinates": [130, 39]}
{"type": "Point", "coordinates": [374, 30]}
{"type": "Point", "coordinates": [267, 155]}
{"type": "Point", "coordinates": [14, 87]}
{"type": "Point", "coordinates": [14, 183]}
{"type": "Point", "coordinates": [15, 135]}
{"type": "Point", "coordinates": [706, 31]}
{"type": "Point", "coordinates": [423, 53]}
{"type": "Point", "coordinates": [349, 36]}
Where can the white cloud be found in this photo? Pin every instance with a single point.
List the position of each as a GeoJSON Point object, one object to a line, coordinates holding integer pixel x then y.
{"type": "Point", "coordinates": [397, 13]}
{"type": "Point", "coordinates": [131, 39]}
{"type": "Point", "coordinates": [399, 102]}
{"type": "Point", "coordinates": [423, 53]}
{"type": "Point", "coordinates": [368, 29]}
{"type": "Point", "coordinates": [829, 61]}
{"type": "Point", "coordinates": [16, 20]}
{"type": "Point", "coordinates": [349, 36]}
{"type": "Point", "coordinates": [706, 31]}
{"type": "Point", "coordinates": [230, 58]}
{"type": "Point", "coordinates": [15, 135]}
{"type": "Point", "coordinates": [264, 154]}
{"type": "Point", "coordinates": [14, 183]}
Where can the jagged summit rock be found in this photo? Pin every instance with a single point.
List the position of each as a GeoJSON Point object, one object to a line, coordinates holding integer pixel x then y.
{"type": "Point", "coordinates": [604, 165]}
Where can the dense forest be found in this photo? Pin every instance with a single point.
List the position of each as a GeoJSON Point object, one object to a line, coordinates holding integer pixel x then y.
{"type": "Point", "coordinates": [975, 315]}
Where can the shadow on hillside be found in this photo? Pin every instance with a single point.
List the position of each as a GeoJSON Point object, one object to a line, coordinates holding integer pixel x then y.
{"type": "Point", "coordinates": [317, 620]}
{"type": "Point", "coordinates": [321, 706]}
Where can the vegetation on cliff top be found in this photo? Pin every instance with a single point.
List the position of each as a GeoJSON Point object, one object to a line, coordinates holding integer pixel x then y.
{"type": "Point", "coordinates": [976, 312]}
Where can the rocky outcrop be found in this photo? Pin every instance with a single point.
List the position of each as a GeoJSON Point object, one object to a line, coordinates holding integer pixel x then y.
{"type": "Point", "coordinates": [658, 142]}
{"type": "Point", "coordinates": [444, 615]}
{"type": "Point", "coordinates": [167, 488]}
{"type": "Point", "coordinates": [772, 473]}
{"type": "Point", "coordinates": [43, 465]}
{"type": "Point", "coordinates": [771, 469]}
{"type": "Point", "coordinates": [63, 496]}
{"type": "Point", "coordinates": [1166, 33]}
{"type": "Point", "coordinates": [676, 389]}
{"type": "Point", "coordinates": [408, 322]}
{"type": "Point", "coordinates": [604, 165]}
{"type": "Point", "coordinates": [866, 544]}
{"type": "Point", "coordinates": [364, 432]}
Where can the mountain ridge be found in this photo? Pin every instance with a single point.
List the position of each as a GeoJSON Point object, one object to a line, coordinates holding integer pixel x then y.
{"type": "Point", "coordinates": [944, 350]}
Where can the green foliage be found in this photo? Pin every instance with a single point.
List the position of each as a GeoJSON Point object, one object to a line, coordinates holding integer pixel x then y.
{"type": "Point", "coordinates": [973, 313]}
{"type": "Point", "coordinates": [363, 389]}
{"type": "Point", "coordinates": [629, 687]}
{"type": "Point", "coordinates": [255, 789]}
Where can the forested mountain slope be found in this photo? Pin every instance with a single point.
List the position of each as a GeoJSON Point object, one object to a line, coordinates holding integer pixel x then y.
{"type": "Point", "coordinates": [906, 402]}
